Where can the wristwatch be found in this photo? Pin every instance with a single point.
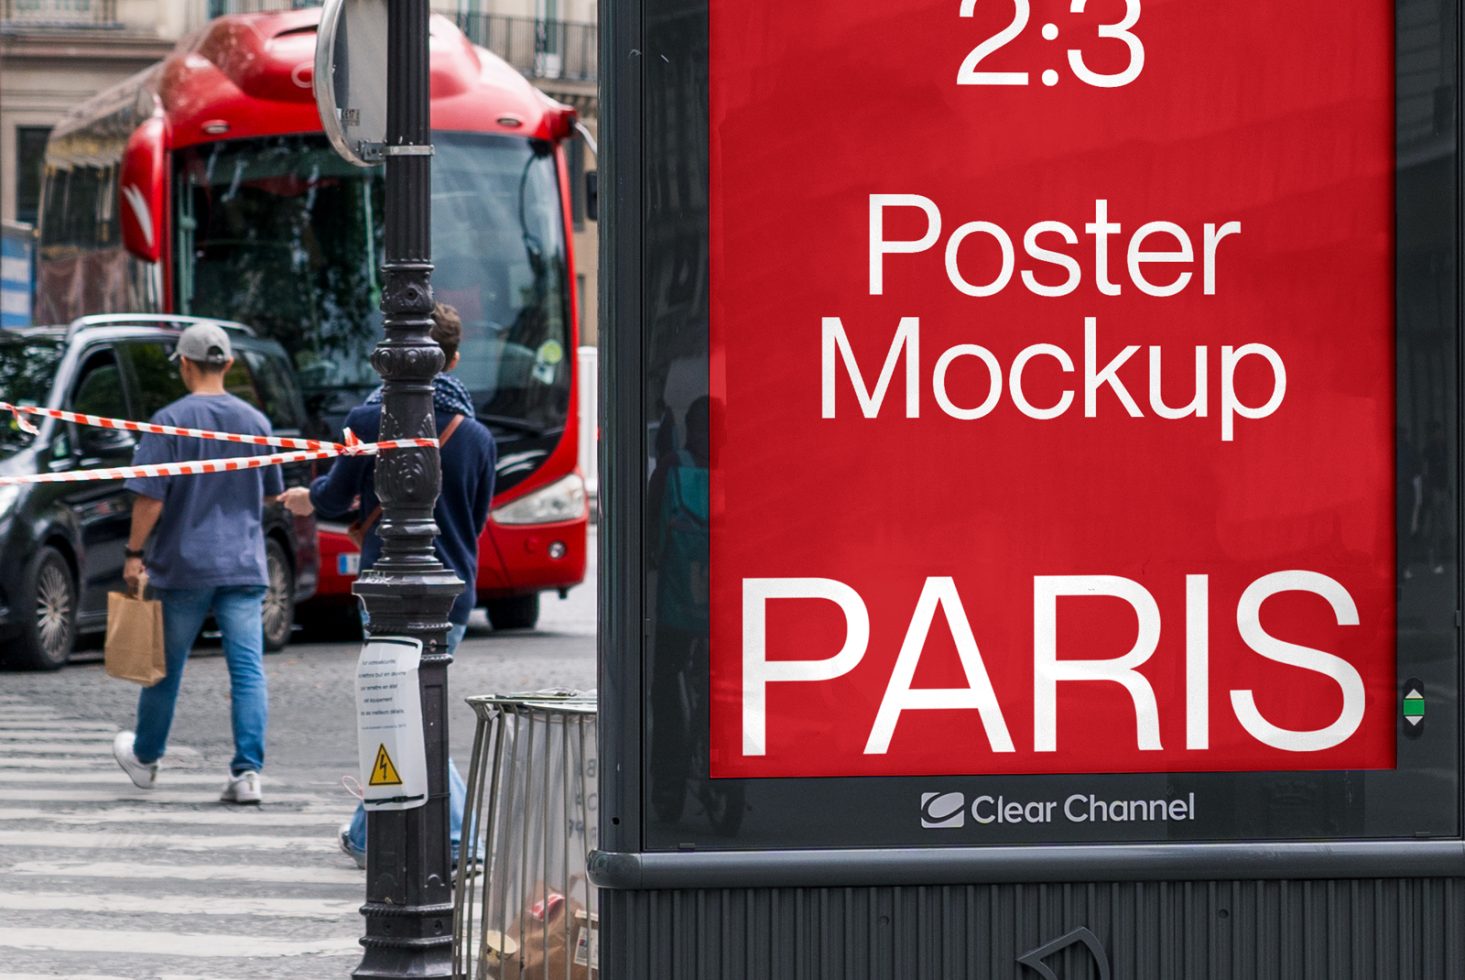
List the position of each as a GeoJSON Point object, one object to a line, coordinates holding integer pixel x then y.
{"type": "Point", "coordinates": [133, 552]}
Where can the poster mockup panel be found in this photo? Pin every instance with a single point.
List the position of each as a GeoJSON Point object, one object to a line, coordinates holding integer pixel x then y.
{"type": "Point", "coordinates": [1052, 371]}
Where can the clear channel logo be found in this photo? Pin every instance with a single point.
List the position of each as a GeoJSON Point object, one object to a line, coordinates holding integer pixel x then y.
{"type": "Point", "coordinates": [949, 811]}
{"type": "Point", "coordinates": [943, 810]}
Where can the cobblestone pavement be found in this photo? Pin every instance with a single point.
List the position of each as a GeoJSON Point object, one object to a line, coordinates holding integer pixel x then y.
{"type": "Point", "coordinates": [100, 880]}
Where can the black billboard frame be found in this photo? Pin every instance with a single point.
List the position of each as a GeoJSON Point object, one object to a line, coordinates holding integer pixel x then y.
{"type": "Point", "coordinates": [623, 861]}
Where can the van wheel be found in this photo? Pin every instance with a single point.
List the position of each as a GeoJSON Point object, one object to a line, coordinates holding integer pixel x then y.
{"type": "Point", "coordinates": [279, 601]}
{"type": "Point", "coordinates": [47, 613]}
{"type": "Point", "coordinates": [520, 612]}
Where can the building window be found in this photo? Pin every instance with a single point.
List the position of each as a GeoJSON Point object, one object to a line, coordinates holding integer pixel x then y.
{"type": "Point", "coordinates": [575, 154]}
{"type": "Point", "coordinates": [30, 161]}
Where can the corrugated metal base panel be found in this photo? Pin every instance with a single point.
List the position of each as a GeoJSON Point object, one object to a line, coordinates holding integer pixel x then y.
{"type": "Point", "coordinates": [1208, 930]}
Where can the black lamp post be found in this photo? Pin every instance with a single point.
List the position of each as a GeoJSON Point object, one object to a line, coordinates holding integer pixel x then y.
{"type": "Point", "coordinates": [409, 910]}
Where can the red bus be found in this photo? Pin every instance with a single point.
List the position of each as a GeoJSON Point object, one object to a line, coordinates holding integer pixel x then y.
{"type": "Point", "coordinates": [204, 185]}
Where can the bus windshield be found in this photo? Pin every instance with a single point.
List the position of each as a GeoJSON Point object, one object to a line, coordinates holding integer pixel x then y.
{"type": "Point", "coordinates": [283, 235]}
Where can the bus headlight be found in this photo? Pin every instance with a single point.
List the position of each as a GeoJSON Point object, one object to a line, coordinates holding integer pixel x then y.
{"type": "Point", "coordinates": [563, 500]}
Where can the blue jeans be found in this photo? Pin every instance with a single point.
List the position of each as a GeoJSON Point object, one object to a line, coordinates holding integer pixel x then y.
{"type": "Point", "coordinates": [457, 790]}
{"type": "Point", "coordinates": [239, 612]}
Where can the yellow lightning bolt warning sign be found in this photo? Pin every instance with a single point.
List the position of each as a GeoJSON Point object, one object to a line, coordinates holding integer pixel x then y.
{"type": "Point", "coordinates": [383, 771]}
{"type": "Point", "coordinates": [390, 748]}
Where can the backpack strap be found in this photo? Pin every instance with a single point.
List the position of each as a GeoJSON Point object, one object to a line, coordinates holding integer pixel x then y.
{"type": "Point", "coordinates": [449, 429]}
{"type": "Point", "coordinates": [359, 529]}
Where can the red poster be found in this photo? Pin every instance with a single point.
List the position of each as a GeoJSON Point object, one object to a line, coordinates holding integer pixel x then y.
{"type": "Point", "coordinates": [1052, 386]}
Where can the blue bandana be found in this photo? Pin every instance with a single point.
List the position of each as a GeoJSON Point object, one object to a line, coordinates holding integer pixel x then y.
{"type": "Point", "coordinates": [448, 395]}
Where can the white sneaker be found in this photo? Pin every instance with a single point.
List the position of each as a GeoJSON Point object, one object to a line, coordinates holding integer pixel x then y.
{"type": "Point", "coordinates": [142, 774]}
{"type": "Point", "coordinates": [243, 788]}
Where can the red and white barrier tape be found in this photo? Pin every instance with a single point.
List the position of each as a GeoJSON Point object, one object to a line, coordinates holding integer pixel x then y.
{"type": "Point", "coordinates": [307, 449]}
{"type": "Point", "coordinates": [97, 421]}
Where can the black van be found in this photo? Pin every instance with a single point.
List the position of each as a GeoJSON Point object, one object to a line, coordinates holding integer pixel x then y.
{"type": "Point", "coordinates": [62, 543]}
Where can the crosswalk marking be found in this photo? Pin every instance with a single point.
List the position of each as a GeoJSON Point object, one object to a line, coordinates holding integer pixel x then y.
{"type": "Point", "coordinates": [317, 820]}
{"type": "Point", "coordinates": [126, 792]}
{"type": "Point", "coordinates": [97, 737]}
{"type": "Point", "coordinates": [169, 777]}
{"type": "Point", "coordinates": [105, 976]}
{"type": "Point", "coordinates": [94, 749]}
{"type": "Point", "coordinates": [103, 760]}
{"type": "Point", "coordinates": [327, 875]}
{"type": "Point", "coordinates": [99, 727]}
{"type": "Point", "coordinates": [116, 840]}
{"type": "Point", "coordinates": [286, 908]}
{"type": "Point", "coordinates": [111, 859]}
{"type": "Point", "coordinates": [211, 945]}
{"type": "Point", "coordinates": [100, 751]}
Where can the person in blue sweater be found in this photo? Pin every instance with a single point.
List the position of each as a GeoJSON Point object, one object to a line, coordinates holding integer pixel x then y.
{"type": "Point", "coordinates": [468, 456]}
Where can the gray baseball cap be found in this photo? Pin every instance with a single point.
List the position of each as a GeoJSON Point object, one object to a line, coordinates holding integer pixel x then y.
{"type": "Point", "coordinates": [207, 343]}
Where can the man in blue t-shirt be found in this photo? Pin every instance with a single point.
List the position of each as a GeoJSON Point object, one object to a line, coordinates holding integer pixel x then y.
{"type": "Point", "coordinates": [206, 553]}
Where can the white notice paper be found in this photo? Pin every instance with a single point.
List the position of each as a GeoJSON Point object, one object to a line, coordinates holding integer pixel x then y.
{"type": "Point", "coordinates": [389, 724]}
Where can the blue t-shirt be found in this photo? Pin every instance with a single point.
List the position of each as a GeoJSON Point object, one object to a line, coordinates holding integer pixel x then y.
{"type": "Point", "coordinates": [209, 533]}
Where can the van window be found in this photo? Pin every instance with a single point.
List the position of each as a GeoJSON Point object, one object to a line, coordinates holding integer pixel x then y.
{"type": "Point", "coordinates": [157, 377]}
{"type": "Point", "coordinates": [240, 383]}
{"type": "Point", "coordinates": [98, 389]}
{"type": "Point", "coordinates": [277, 389]}
{"type": "Point", "coordinates": [159, 383]}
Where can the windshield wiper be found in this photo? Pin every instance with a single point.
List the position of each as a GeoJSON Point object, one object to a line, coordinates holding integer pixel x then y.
{"type": "Point", "coordinates": [514, 424]}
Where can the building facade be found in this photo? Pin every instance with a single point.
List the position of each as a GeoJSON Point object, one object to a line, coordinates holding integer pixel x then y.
{"type": "Point", "coordinates": [57, 53]}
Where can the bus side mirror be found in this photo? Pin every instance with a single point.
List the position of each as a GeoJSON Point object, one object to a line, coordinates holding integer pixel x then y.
{"type": "Point", "coordinates": [141, 190]}
{"type": "Point", "coordinates": [592, 195]}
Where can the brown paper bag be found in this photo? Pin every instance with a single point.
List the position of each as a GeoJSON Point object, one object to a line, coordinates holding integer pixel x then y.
{"type": "Point", "coordinates": [544, 943]}
{"type": "Point", "coordinates": [134, 650]}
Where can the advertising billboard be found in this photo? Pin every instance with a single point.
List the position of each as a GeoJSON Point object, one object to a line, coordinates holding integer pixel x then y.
{"type": "Point", "coordinates": [1051, 418]}
{"type": "Point", "coordinates": [1103, 379]}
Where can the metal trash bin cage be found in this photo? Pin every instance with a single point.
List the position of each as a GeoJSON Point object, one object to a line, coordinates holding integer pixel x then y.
{"type": "Point", "coordinates": [525, 909]}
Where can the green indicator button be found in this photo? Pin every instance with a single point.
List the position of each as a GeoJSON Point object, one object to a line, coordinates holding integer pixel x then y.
{"type": "Point", "coordinates": [1413, 705]}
